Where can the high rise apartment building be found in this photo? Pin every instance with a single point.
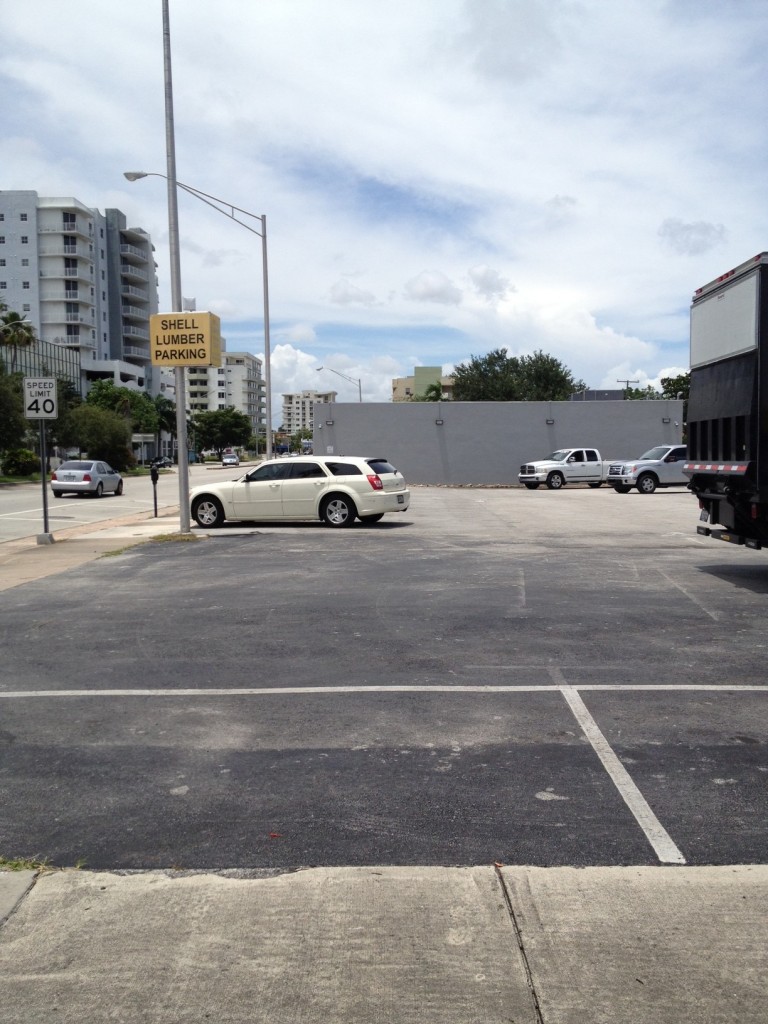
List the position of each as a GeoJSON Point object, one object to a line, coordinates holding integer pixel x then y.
{"type": "Point", "coordinates": [84, 280]}
{"type": "Point", "coordinates": [299, 409]}
{"type": "Point", "coordinates": [237, 384]}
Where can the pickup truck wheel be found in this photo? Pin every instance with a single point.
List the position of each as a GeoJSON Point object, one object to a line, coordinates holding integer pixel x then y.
{"type": "Point", "coordinates": [621, 488]}
{"type": "Point", "coordinates": [597, 483]}
{"type": "Point", "coordinates": [646, 483]}
{"type": "Point", "coordinates": [555, 481]}
{"type": "Point", "coordinates": [531, 487]}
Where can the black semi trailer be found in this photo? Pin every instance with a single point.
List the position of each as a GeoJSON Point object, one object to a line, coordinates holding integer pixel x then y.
{"type": "Point", "coordinates": [728, 404]}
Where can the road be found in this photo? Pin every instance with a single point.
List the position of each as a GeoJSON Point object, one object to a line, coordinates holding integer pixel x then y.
{"type": "Point", "coordinates": [536, 678]}
{"type": "Point", "coordinates": [21, 506]}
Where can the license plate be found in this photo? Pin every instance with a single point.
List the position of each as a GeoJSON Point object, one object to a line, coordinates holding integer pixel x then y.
{"type": "Point", "coordinates": [68, 476]}
{"type": "Point", "coordinates": [401, 499]}
{"type": "Point", "coordinates": [704, 517]}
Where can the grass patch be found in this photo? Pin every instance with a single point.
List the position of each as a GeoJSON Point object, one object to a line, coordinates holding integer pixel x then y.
{"type": "Point", "coordinates": [183, 537]}
{"type": "Point", "coordinates": [24, 864]}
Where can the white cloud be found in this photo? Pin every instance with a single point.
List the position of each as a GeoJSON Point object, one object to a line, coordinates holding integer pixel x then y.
{"type": "Point", "coordinates": [345, 293]}
{"type": "Point", "coordinates": [432, 286]}
{"type": "Point", "coordinates": [540, 142]}
{"type": "Point", "coordinates": [488, 282]}
{"type": "Point", "coordinates": [691, 239]}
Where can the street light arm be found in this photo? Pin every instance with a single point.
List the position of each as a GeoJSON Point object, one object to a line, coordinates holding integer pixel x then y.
{"type": "Point", "coordinates": [352, 380]}
{"type": "Point", "coordinates": [221, 205]}
{"type": "Point", "coordinates": [228, 210]}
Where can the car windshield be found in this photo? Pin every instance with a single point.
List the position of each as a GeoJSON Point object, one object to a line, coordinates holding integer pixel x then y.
{"type": "Point", "coordinates": [81, 466]}
{"type": "Point", "coordinates": [656, 453]}
{"type": "Point", "coordinates": [559, 456]}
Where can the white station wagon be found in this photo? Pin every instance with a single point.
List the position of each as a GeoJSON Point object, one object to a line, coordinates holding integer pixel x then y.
{"type": "Point", "coordinates": [336, 489]}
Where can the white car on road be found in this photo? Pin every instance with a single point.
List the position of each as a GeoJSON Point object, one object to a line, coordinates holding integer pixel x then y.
{"type": "Point", "coordinates": [336, 489]}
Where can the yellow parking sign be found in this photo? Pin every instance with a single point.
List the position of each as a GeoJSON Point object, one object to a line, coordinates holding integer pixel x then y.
{"type": "Point", "coordinates": [185, 339]}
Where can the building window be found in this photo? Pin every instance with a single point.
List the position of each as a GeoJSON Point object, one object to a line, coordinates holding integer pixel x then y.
{"type": "Point", "coordinates": [26, 308]}
{"type": "Point", "coordinates": [3, 285]}
{"type": "Point", "coordinates": [2, 239]}
{"type": "Point", "coordinates": [25, 263]}
{"type": "Point", "coordinates": [22, 216]}
{"type": "Point", "coordinates": [24, 239]}
{"type": "Point", "coordinates": [2, 262]}
{"type": "Point", "coordinates": [25, 284]}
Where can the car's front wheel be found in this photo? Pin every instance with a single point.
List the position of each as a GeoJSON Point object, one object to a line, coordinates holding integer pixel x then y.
{"type": "Point", "coordinates": [338, 511]}
{"type": "Point", "coordinates": [207, 512]}
{"type": "Point", "coordinates": [555, 481]}
{"type": "Point", "coordinates": [621, 488]}
{"type": "Point", "coordinates": [646, 483]}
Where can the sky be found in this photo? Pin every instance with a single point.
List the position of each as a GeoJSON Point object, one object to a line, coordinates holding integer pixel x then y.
{"type": "Point", "coordinates": [440, 178]}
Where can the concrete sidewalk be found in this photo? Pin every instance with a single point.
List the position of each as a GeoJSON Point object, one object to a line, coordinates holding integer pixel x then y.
{"type": "Point", "coordinates": [449, 945]}
{"type": "Point", "coordinates": [22, 561]}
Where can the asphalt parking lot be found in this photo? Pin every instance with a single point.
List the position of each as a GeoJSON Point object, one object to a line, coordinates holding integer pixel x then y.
{"type": "Point", "coordinates": [495, 676]}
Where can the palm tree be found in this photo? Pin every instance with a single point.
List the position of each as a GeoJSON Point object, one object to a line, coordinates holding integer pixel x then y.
{"type": "Point", "coordinates": [15, 332]}
{"type": "Point", "coordinates": [166, 414]}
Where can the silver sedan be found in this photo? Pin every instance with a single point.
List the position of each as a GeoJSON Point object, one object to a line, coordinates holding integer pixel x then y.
{"type": "Point", "coordinates": [86, 476]}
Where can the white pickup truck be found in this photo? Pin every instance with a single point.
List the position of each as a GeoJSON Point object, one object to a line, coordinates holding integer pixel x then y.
{"type": "Point", "coordinates": [565, 466]}
{"type": "Point", "coordinates": [662, 466]}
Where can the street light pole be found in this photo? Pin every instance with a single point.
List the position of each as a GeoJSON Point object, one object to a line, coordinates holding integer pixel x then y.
{"type": "Point", "coordinates": [176, 297]}
{"type": "Point", "coordinates": [352, 380]}
{"type": "Point", "coordinates": [230, 211]}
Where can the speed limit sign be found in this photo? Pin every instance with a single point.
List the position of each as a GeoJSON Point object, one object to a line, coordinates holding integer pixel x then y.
{"type": "Point", "coordinates": [40, 399]}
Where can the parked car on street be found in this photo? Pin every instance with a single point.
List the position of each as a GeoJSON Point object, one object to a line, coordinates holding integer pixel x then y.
{"type": "Point", "coordinates": [85, 476]}
{"type": "Point", "coordinates": [661, 466]}
{"type": "Point", "coordinates": [162, 463]}
{"type": "Point", "coordinates": [336, 489]}
{"type": "Point", "coordinates": [230, 459]}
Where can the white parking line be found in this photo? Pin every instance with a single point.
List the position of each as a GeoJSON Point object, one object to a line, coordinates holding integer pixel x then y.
{"type": "Point", "coordinates": [654, 831]}
{"type": "Point", "coordinates": [308, 691]}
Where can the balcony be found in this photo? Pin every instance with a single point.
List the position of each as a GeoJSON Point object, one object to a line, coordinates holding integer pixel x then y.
{"type": "Point", "coordinates": [79, 226]}
{"type": "Point", "coordinates": [132, 331]}
{"type": "Point", "coordinates": [133, 251]}
{"type": "Point", "coordinates": [135, 273]}
{"type": "Point", "coordinates": [133, 312]}
{"type": "Point", "coordinates": [129, 292]}
{"type": "Point", "coordinates": [81, 252]}
{"type": "Point", "coordinates": [131, 352]}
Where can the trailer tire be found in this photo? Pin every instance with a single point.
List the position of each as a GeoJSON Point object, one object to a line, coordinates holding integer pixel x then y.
{"type": "Point", "coordinates": [555, 481]}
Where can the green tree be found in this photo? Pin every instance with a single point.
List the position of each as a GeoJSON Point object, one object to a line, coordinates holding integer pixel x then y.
{"type": "Point", "coordinates": [676, 387]}
{"type": "Point", "coordinates": [13, 424]}
{"type": "Point", "coordinates": [15, 333]}
{"type": "Point", "coordinates": [101, 433]}
{"type": "Point", "coordinates": [432, 393]}
{"type": "Point", "coordinates": [499, 377]}
{"type": "Point", "coordinates": [220, 429]}
{"type": "Point", "coordinates": [646, 394]}
{"type": "Point", "coordinates": [134, 406]}
{"type": "Point", "coordinates": [166, 418]}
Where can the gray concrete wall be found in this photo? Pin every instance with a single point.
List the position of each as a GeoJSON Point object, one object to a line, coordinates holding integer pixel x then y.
{"type": "Point", "coordinates": [486, 442]}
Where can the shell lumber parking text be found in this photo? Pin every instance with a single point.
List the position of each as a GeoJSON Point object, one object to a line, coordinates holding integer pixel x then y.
{"type": "Point", "coordinates": [185, 339]}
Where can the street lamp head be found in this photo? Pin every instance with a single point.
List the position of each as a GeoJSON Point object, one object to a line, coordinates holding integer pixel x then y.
{"type": "Point", "coordinates": [134, 175]}
{"type": "Point", "coordinates": [318, 368]}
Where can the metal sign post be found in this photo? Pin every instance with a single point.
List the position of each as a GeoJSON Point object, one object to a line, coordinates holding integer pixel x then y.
{"type": "Point", "coordinates": [41, 403]}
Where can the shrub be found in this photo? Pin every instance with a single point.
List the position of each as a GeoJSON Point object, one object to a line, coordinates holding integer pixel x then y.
{"type": "Point", "coordinates": [20, 462]}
